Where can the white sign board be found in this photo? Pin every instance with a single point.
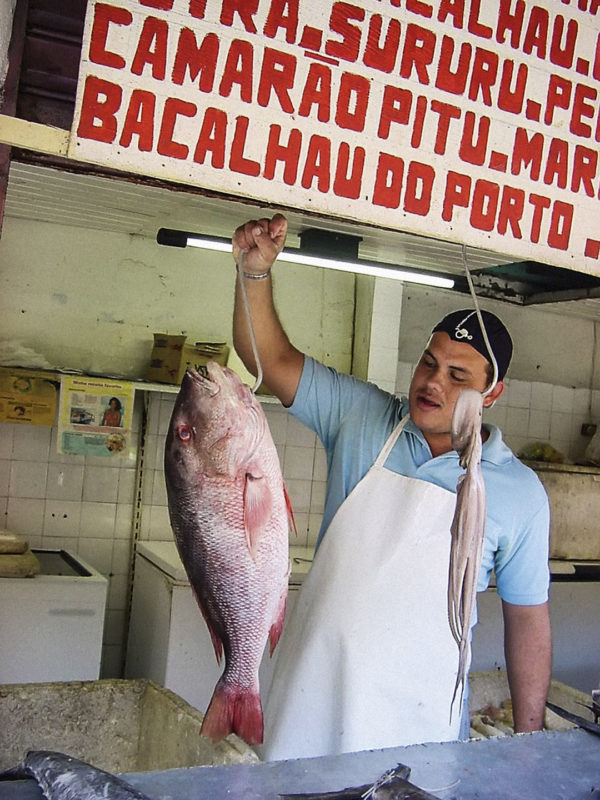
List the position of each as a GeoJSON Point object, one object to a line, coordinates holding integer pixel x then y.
{"type": "Point", "coordinates": [470, 121]}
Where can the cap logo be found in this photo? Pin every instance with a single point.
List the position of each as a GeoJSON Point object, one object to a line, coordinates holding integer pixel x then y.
{"type": "Point", "coordinates": [462, 333]}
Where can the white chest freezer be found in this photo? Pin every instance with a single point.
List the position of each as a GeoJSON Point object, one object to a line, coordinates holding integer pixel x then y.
{"type": "Point", "coordinates": [51, 625]}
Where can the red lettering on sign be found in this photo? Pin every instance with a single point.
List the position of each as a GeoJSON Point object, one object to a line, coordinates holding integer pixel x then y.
{"type": "Point", "coordinates": [152, 48]}
{"type": "Point", "coordinates": [197, 8]}
{"type": "Point", "coordinates": [557, 163]}
{"type": "Point", "coordinates": [585, 165]}
{"type": "Point", "coordinates": [237, 161]}
{"type": "Point", "coordinates": [475, 26]}
{"type": "Point", "coordinates": [483, 75]}
{"type": "Point", "coordinates": [510, 99]}
{"type": "Point", "coordinates": [317, 91]}
{"type": "Point", "coordinates": [345, 185]}
{"type": "Point", "coordinates": [510, 22]}
{"type": "Point", "coordinates": [418, 7]}
{"type": "Point", "coordinates": [582, 109]}
{"type": "Point", "coordinates": [212, 138]}
{"type": "Point", "coordinates": [418, 53]}
{"type": "Point", "coordinates": [395, 107]}
{"type": "Point", "coordinates": [354, 92]}
{"type": "Point", "coordinates": [445, 112]}
{"type": "Point", "coordinates": [527, 152]}
{"type": "Point", "coordinates": [596, 65]}
{"type": "Point", "coordinates": [511, 211]}
{"type": "Point", "coordinates": [278, 19]}
{"type": "Point", "coordinates": [277, 75]}
{"type": "Point", "coordinates": [339, 22]}
{"type": "Point", "coordinates": [166, 145]}
{"type": "Point", "coordinates": [446, 79]}
{"type": "Point", "coordinates": [536, 34]}
{"type": "Point", "coordinates": [318, 163]}
{"type": "Point", "coordinates": [559, 96]}
{"type": "Point", "coordinates": [454, 9]}
{"type": "Point", "coordinates": [561, 223]}
{"type": "Point", "coordinates": [539, 204]}
{"type": "Point", "coordinates": [289, 154]}
{"type": "Point", "coordinates": [163, 5]}
{"type": "Point", "coordinates": [139, 120]}
{"type": "Point", "coordinates": [388, 181]}
{"type": "Point", "coordinates": [377, 56]}
{"type": "Point", "coordinates": [484, 205]}
{"type": "Point", "coordinates": [419, 188]}
{"type": "Point", "coordinates": [474, 152]}
{"type": "Point", "coordinates": [103, 16]}
{"type": "Point", "coordinates": [420, 111]}
{"type": "Point", "coordinates": [238, 69]}
{"type": "Point", "coordinates": [245, 9]}
{"type": "Point", "coordinates": [101, 101]}
{"type": "Point", "coordinates": [458, 190]}
{"type": "Point", "coordinates": [561, 55]}
{"type": "Point", "coordinates": [196, 59]}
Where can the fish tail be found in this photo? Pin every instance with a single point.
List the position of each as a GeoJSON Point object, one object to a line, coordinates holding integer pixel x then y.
{"type": "Point", "coordinates": [233, 709]}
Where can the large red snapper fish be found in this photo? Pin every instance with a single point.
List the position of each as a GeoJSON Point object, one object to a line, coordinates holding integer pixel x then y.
{"type": "Point", "coordinates": [230, 514]}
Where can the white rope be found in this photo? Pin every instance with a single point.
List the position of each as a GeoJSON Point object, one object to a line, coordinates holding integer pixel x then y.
{"type": "Point", "coordinates": [259, 372]}
{"type": "Point", "coordinates": [480, 318]}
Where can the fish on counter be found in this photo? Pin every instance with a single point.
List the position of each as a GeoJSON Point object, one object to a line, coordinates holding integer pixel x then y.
{"type": "Point", "coordinates": [230, 515]}
{"type": "Point", "coordinates": [392, 785]}
{"type": "Point", "coordinates": [63, 777]}
{"type": "Point", "coordinates": [468, 526]}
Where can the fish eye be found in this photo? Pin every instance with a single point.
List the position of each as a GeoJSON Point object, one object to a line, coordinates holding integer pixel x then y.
{"type": "Point", "coordinates": [184, 432]}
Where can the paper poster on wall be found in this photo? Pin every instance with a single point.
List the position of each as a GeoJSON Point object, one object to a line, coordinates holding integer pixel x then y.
{"type": "Point", "coordinates": [95, 416]}
{"type": "Point", "coordinates": [467, 121]}
{"type": "Point", "coordinates": [28, 397]}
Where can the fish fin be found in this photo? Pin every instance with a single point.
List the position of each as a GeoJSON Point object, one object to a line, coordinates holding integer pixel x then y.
{"type": "Point", "coordinates": [277, 626]}
{"type": "Point", "coordinates": [290, 512]}
{"type": "Point", "coordinates": [257, 509]}
{"type": "Point", "coordinates": [233, 710]}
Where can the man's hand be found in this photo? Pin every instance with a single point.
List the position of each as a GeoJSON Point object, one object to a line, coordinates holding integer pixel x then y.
{"type": "Point", "coordinates": [260, 241]}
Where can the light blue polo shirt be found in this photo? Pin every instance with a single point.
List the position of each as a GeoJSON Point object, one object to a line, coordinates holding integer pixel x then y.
{"type": "Point", "coordinates": [353, 420]}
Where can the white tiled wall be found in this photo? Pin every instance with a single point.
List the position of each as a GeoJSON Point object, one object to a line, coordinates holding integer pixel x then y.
{"type": "Point", "coordinates": [531, 411]}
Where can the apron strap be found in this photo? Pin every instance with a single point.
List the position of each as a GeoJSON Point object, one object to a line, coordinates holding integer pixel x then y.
{"type": "Point", "coordinates": [391, 441]}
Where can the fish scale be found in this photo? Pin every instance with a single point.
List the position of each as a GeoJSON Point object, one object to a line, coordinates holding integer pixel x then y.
{"type": "Point", "coordinates": [230, 517]}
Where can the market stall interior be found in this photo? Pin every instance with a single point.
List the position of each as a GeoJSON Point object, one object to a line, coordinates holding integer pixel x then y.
{"type": "Point", "coordinates": [87, 293]}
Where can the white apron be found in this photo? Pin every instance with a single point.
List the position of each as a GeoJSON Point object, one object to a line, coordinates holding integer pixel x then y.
{"type": "Point", "coordinates": [366, 659]}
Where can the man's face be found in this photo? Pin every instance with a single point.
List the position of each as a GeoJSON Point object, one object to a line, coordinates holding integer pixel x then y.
{"type": "Point", "coordinates": [443, 370]}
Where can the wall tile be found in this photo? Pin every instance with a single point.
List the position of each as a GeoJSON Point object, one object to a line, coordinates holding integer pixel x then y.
{"type": "Point", "coordinates": [28, 479]}
{"type": "Point", "coordinates": [539, 425]}
{"type": "Point", "coordinates": [25, 516]}
{"type": "Point", "coordinates": [159, 490]}
{"type": "Point", "coordinates": [403, 377]}
{"type": "Point", "coordinates": [32, 443]}
{"type": "Point", "coordinates": [154, 451]}
{"type": "Point", "coordinates": [6, 439]}
{"type": "Point", "coordinates": [277, 419]}
{"type": "Point", "coordinates": [541, 396]}
{"type": "Point", "coordinates": [127, 486]}
{"type": "Point", "coordinates": [121, 557]}
{"type": "Point", "coordinates": [159, 527]}
{"type": "Point", "coordinates": [124, 521]}
{"type": "Point", "coordinates": [101, 484]}
{"type": "Point", "coordinates": [298, 462]}
{"type": "Point", "coordinates": [298, 434]}
{"type": "Point", "coordinates": [560, 429]}
{"type": "Point", "coordinates": [563, 398]}
{"type": "Point", "coordinates": [299, 492]}
{"type": "Point", "coordinates": [98, 520]}
{"type": "Point", "coordinates": [495, 415]}
{"type": "Point", "coordinates": [97, 552]}
{"type": "Point", "coordinates": [65, 481]}
{"type": "Point", "coordinates": [112, 657]}
{"type": "Point", "coordinates": [519, 394]}
{"type": "Point", "coordinates": [317, 497]}
{"type": "Point", "coordinates": [5, 466]}
{"type": "Point", "coordinates": [582, 400]}
{"type": "Point", "coordinates": [62, 518]}
{"type": "Point", "coordinates": [165, 413]}
{"type": "Point", "coordinates": [320, 463]}
{"type": "Point", "coordinates": [517, 421]}
{"type": "Point", "coordinates": [117, 592]}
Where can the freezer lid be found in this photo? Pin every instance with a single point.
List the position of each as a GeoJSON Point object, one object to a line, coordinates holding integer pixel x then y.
{"type": "Point", "coordinates": [164, 555]}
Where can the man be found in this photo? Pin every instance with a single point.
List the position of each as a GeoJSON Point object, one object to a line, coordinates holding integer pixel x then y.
{"type": "Point", "coordinates": [366, 659]}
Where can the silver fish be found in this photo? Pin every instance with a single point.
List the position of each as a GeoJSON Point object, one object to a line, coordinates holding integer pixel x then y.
{"type": "Point", "coordinates": [468, 526]}
{"type": "Point", "coordinates": [392, 785]}
{"type": "Point", "coordinates": [62, 777]}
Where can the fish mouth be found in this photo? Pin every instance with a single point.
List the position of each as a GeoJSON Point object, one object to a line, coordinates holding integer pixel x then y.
{"type": "Point", "coordinates": [201, 377]}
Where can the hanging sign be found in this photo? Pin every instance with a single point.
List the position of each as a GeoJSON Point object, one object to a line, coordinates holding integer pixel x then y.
{"type": "Point", "coordinates": [458, 119]}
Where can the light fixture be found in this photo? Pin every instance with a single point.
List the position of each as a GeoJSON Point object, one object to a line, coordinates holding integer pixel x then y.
{"type": "Point", "coordinates": [317, 249]}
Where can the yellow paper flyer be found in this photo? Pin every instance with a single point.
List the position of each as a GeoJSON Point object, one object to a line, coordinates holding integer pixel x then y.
{"type": "Point", "coordinates": [28, 396]}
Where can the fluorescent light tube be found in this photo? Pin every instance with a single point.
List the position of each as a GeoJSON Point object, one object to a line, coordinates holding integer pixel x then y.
{"type": "Point", "coordinates": [295, 256]}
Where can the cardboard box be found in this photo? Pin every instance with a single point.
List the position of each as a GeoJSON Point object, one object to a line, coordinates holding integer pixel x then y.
{"type": "Point", "coordinates": [171, 356]}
